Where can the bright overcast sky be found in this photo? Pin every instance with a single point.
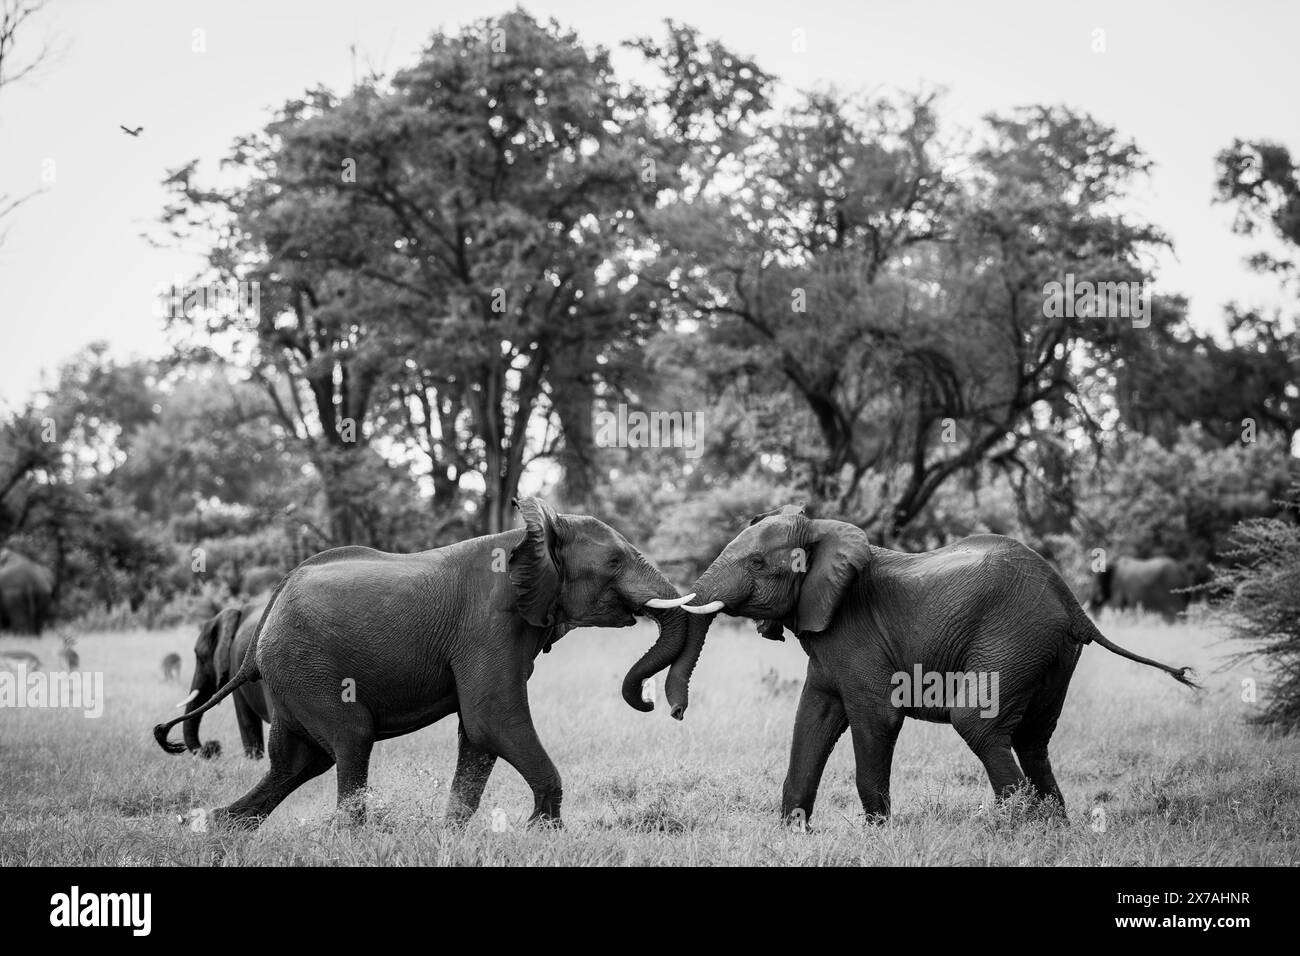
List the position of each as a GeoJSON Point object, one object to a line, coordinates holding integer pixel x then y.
{"type": "Point", "coordinates": [1182, 78]}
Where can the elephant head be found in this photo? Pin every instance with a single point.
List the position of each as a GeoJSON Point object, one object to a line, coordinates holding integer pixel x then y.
{"type": "Point", "coordinates": [576, 571]}
{"type": "Point", "coordinates": [786, 570]}
{"type": "Point", "coordinates": [211, 671]}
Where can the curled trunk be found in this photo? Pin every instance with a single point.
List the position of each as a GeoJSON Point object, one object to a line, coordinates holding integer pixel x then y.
{"type": "Point", "coordinates": [672, 638]}
{"type": "Point", "coordinates": [677, 686]}
{"type": "Point", "coordinates": [642, 582]}
{"type": "Point", "coordinates": [190, 728]}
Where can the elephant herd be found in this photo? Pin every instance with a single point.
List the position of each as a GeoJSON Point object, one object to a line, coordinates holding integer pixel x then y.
{"type": "Point", "coordinates": [356, 646]}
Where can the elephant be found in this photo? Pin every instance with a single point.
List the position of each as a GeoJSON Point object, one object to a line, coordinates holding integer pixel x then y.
{"type": "Point", "coordinates": [359, 645]}
{"type": "Point", "coordinates": [882, 629]}
{"type": "Point", "coordinates": [26, 590]}
{"type": "Point", "coordinates": [171, 667]}
{"type": "Point", "coordinates": [222, 643]}
{"type": "Point", "coordinates": [1148, 584]}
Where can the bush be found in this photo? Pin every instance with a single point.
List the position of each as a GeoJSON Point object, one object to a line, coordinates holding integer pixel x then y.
{"type": "Point", "coordinates": [1259, 599]}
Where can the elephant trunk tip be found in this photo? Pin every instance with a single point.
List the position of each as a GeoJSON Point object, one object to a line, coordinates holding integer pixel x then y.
{"type": "Point", "coordinates": [160, 735]}
{"type": "Point", "coordinates": [678, 712]}
{"type": "Point", "coordinates": [633, 696]}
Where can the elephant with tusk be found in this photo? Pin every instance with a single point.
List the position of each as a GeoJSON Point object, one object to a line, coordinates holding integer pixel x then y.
{"type": "Point", "coordinates": [358, 645]}
{"type": "Point", "coordinates": [221, 645]}
{"type": "Point", "coordinates": [891, 635]}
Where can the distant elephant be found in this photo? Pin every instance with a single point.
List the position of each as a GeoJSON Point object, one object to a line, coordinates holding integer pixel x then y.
{"type": "Point", "coordinates": [171, 666]}
{"type": "Point", "coordinates": [883, 630]}
{"type": "Point", "coordinates": [26, 589]}
{"type": "Point", "coordinates": [359, 645]}
{"type": "Point", "coordinates": [220, 648]}
{"type": "Point", "coordinates": [259, 580]}
{"type": "Point", "coordinates": [1147, 584]}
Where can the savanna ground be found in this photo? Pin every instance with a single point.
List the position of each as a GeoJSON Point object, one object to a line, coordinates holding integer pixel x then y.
{"type": "Point", "coordinates": [1182, 778]}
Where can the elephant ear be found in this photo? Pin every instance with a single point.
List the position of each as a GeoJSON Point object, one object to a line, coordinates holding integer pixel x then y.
{"type": "Point", "coordinates": [534, 568]}
{"type": "Point", "coordinates": [840, 552]}
{"type": "Point", "coordinates": [227, 623]}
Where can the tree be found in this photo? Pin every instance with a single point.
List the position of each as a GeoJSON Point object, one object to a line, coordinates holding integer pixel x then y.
{"type": "Point", "coordinates": [15, 17]}
{"type": "Point", "coordinates": [435, 259]}
{"type": "Point", "coordinates": [899, 304]}
{"type": "Point", "coordinates": [1259, 599]}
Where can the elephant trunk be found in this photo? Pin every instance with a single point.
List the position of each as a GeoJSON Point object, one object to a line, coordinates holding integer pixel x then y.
{"type": "Point", "coordinates": [672, 638]}
{"type": "Point", "coordinates": [190, 729]}
{"type": "Point", "coordinates": [677, 686]}
{"type": "Point", "coordinates": [645, 582]}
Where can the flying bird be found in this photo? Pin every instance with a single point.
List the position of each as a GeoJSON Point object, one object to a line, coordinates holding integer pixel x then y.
{"type": "Point", "coordinates": [131, 132]}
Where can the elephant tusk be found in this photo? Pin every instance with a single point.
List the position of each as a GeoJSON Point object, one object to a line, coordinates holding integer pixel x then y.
{"type": "Point", "coordinates": [710, 608]}
{"type": "Point", "coordinates": [194, 693]}
{"type": "Point", "coordinates": [648, 690]}
{"type": "Point", "coordinates": [669, 602]}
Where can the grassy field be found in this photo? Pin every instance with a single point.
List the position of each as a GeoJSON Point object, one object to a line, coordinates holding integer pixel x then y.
{"type": "Point", "coordinates": [1183, 780]}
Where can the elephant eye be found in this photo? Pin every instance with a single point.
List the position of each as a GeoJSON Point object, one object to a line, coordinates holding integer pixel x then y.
{"type": "Point", "coordinates": [756, 562]}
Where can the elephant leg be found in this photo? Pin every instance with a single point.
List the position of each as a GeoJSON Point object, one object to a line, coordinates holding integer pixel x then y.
{"type": "Point", "coordinates": [1034, 732]}
{"type": "Point", "coordinates": [875, 732]}
{"type": "Point", "coordinates": [352, 751]}
{"type": "Point", "coordinates": [1038, 768]}
{"type": "Point", "coordinates": [818, 724]}
{"type": "Point", "coordinates": [295, 759]}
{"type": "Point", "coordinates": [473, 766]}
{"type": "Point", "coordinates": [250, 727]}
{"type": "Point", "coordinates": [991, 743]}
{"type": "Point", "coordinates": [505, 728]}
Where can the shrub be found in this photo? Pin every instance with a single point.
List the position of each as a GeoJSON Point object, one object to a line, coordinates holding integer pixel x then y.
{"type": "Point", "coordinates": [1259, 598]}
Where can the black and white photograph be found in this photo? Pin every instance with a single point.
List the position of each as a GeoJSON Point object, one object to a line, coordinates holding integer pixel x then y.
{"type": "Point", "coordinates": [666, 435]}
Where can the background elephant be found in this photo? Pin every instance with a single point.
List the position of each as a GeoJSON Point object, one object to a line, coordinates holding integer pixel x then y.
{"type": "Point", "coordinates": [1144, 583]}
{"type": "Point", "coordinates": [223, 641]}
{"type": "Point", "coordinates": [360, 645]}
{"type": "Point", "coordinates": [873, 621]}
{"type": "Point", "coordinates": [26, 590]}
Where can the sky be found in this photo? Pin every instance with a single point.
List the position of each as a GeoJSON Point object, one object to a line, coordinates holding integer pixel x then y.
{"type": "Point", "coordinates": [1182, 79]}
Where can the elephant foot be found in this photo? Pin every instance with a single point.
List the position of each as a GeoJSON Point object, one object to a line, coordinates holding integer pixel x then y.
{"type": "Point", "coordinates": [796, 821]}
{"type": "Point", "coordinates": [352, 812]}
{"type": "Point", "coordinates": [545, 821]}
{"type": "Point", "coordinates": [218, 820]}
{"type": "Point", "coordinates": [196, 821]}
{"type": "Point", "coordinates": [210, 749]}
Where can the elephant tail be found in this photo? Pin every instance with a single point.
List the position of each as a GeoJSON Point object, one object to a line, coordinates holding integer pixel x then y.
{"type": "Point", "coordinates": [247, 673]}
{"type": "Point", "coordinates": [1085, 632]}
